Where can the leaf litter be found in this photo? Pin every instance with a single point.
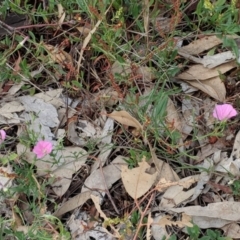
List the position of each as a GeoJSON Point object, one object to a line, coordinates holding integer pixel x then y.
{"type": "Point", "coordinates": [94, 176]}
{"type": "Point", "coordinates": [136, 181]}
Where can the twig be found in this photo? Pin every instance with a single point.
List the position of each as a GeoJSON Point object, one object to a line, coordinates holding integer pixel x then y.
{"type": "Point", "coordinates": [105, 184]}
{"type": "Point", "coordinates": [11, 30]}
{"type": "Point", "coordinates": [41, 25]}
{"type": "Point", "coordinates": [6, 27]}
{"type": "Point", "coordinates": [142, 216]}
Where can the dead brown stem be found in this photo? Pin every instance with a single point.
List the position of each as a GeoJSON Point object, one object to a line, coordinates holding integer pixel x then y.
{"type": "Point", "coordinates": [143, 213]}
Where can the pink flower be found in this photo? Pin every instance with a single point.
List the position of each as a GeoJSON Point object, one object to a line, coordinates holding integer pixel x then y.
{"type": "Point", "coordinates": [42, 148]}
{"type": "Point", "coordinates": [2, 136]}
{"type": "Point", "coordinates": [224, 112]}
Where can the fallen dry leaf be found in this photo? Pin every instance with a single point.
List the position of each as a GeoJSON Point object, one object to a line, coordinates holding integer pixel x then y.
{"type": "Point", "coordinates": [211, 61]}
{"type": "Point", "coordinates": [84, 227]}
{"type": "Point", "coordinates": [229, 211]}
{"type": "Point", "coordinates": [236, 148]}
{"type": "Point", "coordinates": [163, 184]}
{"type": "Point", "coordinates": [214, 87]}
{"type": "Point", "coordinates": [52, 97]}
{"type": "Point", "coordinates": [208, 222]}
{"type": "Point", "coordinates": [125, 118]}
{"type": "Point", "coordinates": [186, 221]}
{"type": "Point", "coordinates": [96, 202]}
{"type": "Point", "coordinates": [203, 178]}
{"type": "Point", "coordinates": [136, 181]}
{"type": "Point", "coordinates": [159, 232]}
{"type": "Point", "coordinates": [231, 164]}
{"type": "Point", "coordinates": [102, 156]}
{"type": "Point", "coordinates": [70, 159]}
{"type": "Point", "coordinates": [201, 45]}
{"type": "Point", "coordinates": [164, 169]}
{"type": "Point", "coordinates": [70, 165]}
{"type": "Point", "coordinates": [72, 203]}
{"type": "Point", "coordinates": [72, 134]}
{"type": "Point", "coordinates": [217, 59]}
{"type": "Point", "coordinates": [172, 117]}
{"type": "Point", "coordinates": [84, 30]}
{"type": "Point", "coordinates": [8, 109]}
{"type": "Point", "coordinates": [88, 129]}
{"type": "Point", "coordinates": [199, 72]}
{"type": "Point", "coordinates": [208, 149]}
{"type": "Point", "coordinates": [232, 230]}
{"type": "Point", "coordinates": [105, 177]}
{"type": "Point", "coordinates": [24, 206]}
{"type": "Point", "coordinates": [185, 183]}
{"type": "Point", "coordinates": [46, 112]}
{"type": "Point", "coordinates": [190, 111]}
{"type": "Point", "coordinates": [177, 194]}
{"type": "Point", "coordinates": [107, 132]}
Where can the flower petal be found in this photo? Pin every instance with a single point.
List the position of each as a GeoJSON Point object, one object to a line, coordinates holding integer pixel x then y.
{"type": "Point", "coordinates": [3, 135]}
{"type": "Point", "coordinates": [224, 112]}
{"type": "Point", "coordinates": [42, 148]}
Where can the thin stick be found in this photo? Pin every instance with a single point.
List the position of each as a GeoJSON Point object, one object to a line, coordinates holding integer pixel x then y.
{"type": "Point", "coordinates": [6, 27]}
{"type": "Point", "coordinates": [142, 216]}
{"type": "Point", "coordinates": [41, 25]}
{"type": "Point", "coordinates": [11, 30]}
{"type": "Point", "coordinates": [105, 184]}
